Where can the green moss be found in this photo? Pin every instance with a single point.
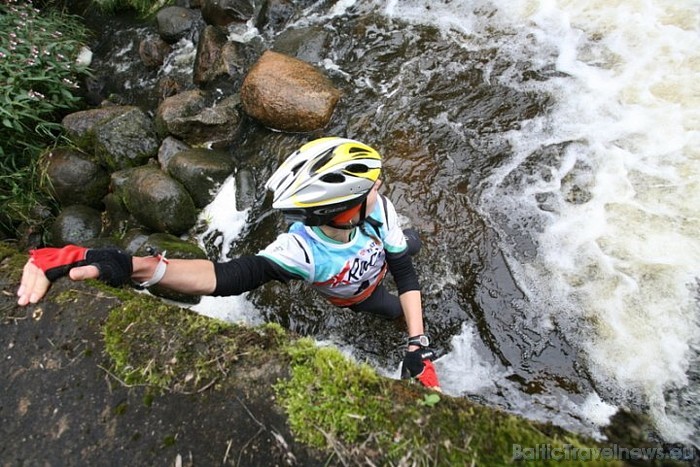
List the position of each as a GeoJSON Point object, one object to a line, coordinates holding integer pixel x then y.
{"type": "Point", "coordinates": [334, 394]}
{"type": "Point", "coordinates": [336, 404]}
{"type": "Point", "coordinates": [156, 344]}
{"type": "Point", "coordinates": [67, 296]}
{"type": "Point", "coordinates": [122, 293]}
{"type": "Point", "coordinates": [12, 262]}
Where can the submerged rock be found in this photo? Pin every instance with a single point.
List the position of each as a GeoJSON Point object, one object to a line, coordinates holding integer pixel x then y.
{"type": "Point", "coordinates": [153, 51]}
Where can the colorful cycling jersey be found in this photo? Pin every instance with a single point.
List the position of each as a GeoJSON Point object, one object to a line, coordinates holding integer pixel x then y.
{"type": "Point", "coordinates": [346, 273]}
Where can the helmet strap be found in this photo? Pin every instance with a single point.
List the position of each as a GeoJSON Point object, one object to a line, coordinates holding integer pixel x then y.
{"type": "Point", "coordinates": [363, 216]}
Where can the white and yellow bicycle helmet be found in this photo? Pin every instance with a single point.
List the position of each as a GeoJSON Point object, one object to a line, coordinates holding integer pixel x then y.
{"type": "Point", "coordinates": [324, 178]}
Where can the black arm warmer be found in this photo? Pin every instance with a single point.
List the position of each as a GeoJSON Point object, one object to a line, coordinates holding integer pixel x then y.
{"type": "Point", "coordinates": [247, 273]}
{"type": "Point", "coordinates": [404, 273]}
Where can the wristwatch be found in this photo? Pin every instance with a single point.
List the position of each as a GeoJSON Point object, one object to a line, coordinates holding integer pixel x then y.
{"type": "Point", "coordinates": [420, 340]}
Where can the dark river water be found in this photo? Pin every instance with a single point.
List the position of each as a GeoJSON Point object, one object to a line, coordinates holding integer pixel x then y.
{"type": "Point", "coordinates": [548, 156]}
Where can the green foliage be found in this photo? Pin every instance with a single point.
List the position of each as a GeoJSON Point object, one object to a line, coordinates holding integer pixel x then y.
{"type": "Point", "coordinates": [429, 400]}
{"type": "Point", "coordinates": [38, 73]}
{"type": "Point", "coordinates": [142, 7]}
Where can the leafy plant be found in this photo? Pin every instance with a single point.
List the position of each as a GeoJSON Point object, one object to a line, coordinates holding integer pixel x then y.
{"type": "Point", "coordinates": [429, 400]}
{"type": "Point", "coordinates": [143, 7]}
{"type": "Point", "coordinates": [38, 83]}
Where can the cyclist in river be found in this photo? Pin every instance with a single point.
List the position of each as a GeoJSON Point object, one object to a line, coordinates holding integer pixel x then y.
{"type": "Point", "coordinates": [343, 238]}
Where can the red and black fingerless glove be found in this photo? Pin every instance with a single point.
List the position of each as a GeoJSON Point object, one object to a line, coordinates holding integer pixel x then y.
{"type": "Point", "coordinates": [419, 364]}
{"type": "Point", "coordinates": [114, 265]}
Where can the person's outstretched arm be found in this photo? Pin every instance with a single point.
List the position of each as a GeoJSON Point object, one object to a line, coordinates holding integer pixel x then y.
{"type": "Point", "coordinates": [115, 267]}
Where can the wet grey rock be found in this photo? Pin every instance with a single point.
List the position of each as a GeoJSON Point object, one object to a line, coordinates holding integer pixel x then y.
{"type": "Point", "coordinates": [208, 64]}
{"type": "Point", "coordinates": [245, 189]}
{"type": "Point", "coordinates": [288, 94]}
{"type": "Point", "coordinates": [128, 139]}
{"type": "Point", "coordinates": [156, 200]}
{"type": "Point", "coordinates": [75, 178]}
{"type": "Point", "coordinates": [190, 117]}
{"type": "Point", "coordinates": [116, 218]}
{"type": "Point", "coordinates": [307, 44]}
{"type": "Point", "coordinates": [76, 224]}
{"type": "Point", "coordinates": [232, 60]}
{"type": "Point", "coordinates": [224, 12]}
{"type": "Point", "coordinates": [201, 171]}
{"type": "Point", "coordinates": [275, 14]}
{"type": "Point", "coordinates": [168, 148]}
{"type": "Point", "coordinates": [133, 240]}
{"type": "Point", "coordinates": [153, 51]}
{"type": "Point", "coordinates": [80, 125]}
{"type": "Point", "coordinates": [176, 22]}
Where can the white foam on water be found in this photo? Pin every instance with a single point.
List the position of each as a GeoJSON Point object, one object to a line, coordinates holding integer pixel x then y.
{"type": "Point", "coordinates": [626, 261]}
{"type": "Point", "coordinates": [234, 309]}
{"type": "Point", "coordinates": [596, 410]}
{"type": "Point", "coordinates": [226, 223]}
{"type": "Point", "coordinates": [463, 371]}
{"type": "Point", "coordinates": [222, 218]}
{"type": "Point", "coordinates": [622, 267]}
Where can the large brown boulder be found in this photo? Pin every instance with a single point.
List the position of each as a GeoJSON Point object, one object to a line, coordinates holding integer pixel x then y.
{"type": "Point", "coordinates": [288, 94]}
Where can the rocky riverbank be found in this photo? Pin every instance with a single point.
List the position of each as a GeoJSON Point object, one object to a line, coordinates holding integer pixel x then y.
{"type": "Point", "coordinates": [98, 376]}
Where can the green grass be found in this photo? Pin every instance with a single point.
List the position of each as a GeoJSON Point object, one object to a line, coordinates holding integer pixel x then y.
{"type": "Point", "coordinates": [39, 79]}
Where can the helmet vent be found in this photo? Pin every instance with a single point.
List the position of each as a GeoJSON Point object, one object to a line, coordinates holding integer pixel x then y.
{"type": "Point", "coordinates": [296, 168]}
{"type": "Point", "coordinates": [333, 178]}
{"type": "Point", "coordinates": [357, 168]}
{"type": "Point", "coordinates": [322, 160]}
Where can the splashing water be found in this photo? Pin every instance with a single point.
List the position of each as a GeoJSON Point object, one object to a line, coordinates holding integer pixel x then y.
{"type": "Point", "coordinates": [618, 232]}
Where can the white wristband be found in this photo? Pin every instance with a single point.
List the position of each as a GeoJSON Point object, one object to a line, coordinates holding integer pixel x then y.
{"type": "Point", "coordinates": [158, 273]}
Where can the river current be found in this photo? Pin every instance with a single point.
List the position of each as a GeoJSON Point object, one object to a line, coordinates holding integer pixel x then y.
{"type": "Point", "coordinates": [549, 154]}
